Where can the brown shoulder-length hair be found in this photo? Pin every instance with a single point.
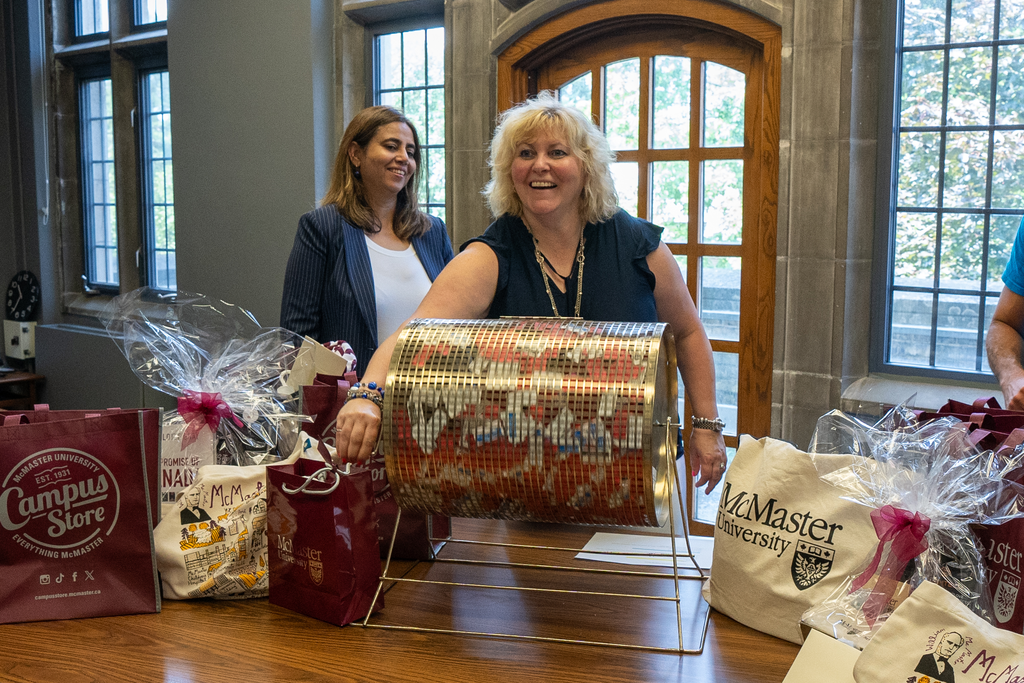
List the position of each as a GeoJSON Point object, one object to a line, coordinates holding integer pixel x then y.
{"type": "Point", "coordinates": [347, 192]}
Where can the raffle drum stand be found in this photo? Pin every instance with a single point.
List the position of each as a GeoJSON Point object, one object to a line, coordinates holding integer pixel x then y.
{"type": "Point", "coordinates": [538, 420]}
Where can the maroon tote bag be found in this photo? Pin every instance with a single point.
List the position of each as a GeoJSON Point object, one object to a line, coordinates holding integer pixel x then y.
{"type": "Point", "coordinates": [75, 519]}
{"type": "Point", "coordinates": [152, 419]}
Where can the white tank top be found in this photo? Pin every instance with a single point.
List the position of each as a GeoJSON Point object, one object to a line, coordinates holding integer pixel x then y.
{"type": "Point", "coordinates": [399, 283]}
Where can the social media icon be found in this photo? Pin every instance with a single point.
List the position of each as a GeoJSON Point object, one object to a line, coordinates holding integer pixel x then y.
{"type": "Point", "coordinates": [44, 579]}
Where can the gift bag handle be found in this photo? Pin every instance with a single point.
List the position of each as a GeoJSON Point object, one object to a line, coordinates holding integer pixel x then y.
{"type": "Point", "coordinates": [320, 476]}
{"type": "Point", "coordinates": [989, 402]}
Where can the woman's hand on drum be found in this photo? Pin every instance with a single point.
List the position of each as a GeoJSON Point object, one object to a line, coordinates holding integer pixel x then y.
{"type": "Point", "coordinates": [358, 426]}
{"type": "Point", "coordinates": [707, 457]}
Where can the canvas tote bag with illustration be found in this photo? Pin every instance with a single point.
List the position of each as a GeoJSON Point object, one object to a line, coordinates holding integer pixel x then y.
{"type": "Point", "coordinates": [932, 637]}
{"type": "Point", "coordinates": [213, 541]}
{"type": "Point", "coordinates": [784, 539]}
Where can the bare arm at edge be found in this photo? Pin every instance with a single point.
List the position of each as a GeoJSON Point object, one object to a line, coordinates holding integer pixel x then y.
{"type": "Point", "coordinates": [1005, 346]}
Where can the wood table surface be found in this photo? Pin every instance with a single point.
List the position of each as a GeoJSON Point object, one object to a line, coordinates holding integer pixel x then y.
{"type": "Point", "coordinates": [252, 640]}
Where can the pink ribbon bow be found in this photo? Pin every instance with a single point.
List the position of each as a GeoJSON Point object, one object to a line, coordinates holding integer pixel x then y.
{"type": "Point", "coordinates": [905, 534]}
{"type": "Point", "coordinates": [201, 409]}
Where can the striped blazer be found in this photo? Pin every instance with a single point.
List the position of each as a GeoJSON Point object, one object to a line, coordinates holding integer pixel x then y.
{"type": "Point", "coordinates": [328, 285]}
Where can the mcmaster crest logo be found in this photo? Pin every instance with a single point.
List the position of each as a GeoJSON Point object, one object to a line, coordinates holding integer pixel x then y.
{"type": "Point", "coordinates": [1006, 596]}
{"type": "Point", "coordinates": [59, 503]}
{"type": "Point", "coordinates": [811, 564]}
{"type": "Point", "coordinates": [316, 572]}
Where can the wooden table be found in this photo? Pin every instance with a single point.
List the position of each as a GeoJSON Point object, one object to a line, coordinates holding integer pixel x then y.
{"type": "Point", "coordinates": [18, 389]}
{"type": "Point", "coordinates": [252, 640]}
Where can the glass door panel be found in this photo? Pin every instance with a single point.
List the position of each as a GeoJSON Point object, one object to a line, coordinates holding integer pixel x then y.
{"type": "Point", "coordinates": [722, 202]}
{"type": "Point", "coordinates": [627, 176]}
{"type": "Point", "coordinates": [719, 300]}
{"type": "Point", "coordinates": [622, 104]}
{"type": "Point", "coordinates": [724, 94]}
{"type": "Point", "coordinates": [671, 110]}
{"type": "Point", "coordinates": [578, 92]}
{"type": "Point", "coordinates": [670, 199]}
{"type": "Point", "coordinates": [727, 382]}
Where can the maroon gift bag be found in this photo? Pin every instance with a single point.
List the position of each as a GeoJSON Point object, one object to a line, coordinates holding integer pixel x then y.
{"type": "Point", "coordinates": [1002, 547]}
{"type": "Point", "coordinates": [152, 419]}
{"type": "Point", "coordinates": [75, 519]}
{"type": "Point", "coordinates": [322, 535]}
{"type": "Point", "coordinates": [322, 401]}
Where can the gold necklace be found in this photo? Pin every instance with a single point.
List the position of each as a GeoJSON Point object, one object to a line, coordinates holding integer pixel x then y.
{"type": "Point", "coordinates": [544, 276]}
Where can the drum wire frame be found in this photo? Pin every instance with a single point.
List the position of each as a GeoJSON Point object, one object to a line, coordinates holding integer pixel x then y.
{"type": "Point", "coordinates": [676, 497]}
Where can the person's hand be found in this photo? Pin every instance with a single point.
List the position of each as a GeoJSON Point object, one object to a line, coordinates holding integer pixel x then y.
{"type": "Point", "coordinates": [707, 457]}
{"type": "Point", "coordinates": [358, 425]}
{"type": "Point", "coordinates": [1013, 392]}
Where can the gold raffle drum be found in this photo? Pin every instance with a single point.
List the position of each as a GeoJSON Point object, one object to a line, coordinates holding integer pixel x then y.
{"type": "Point", "coordinates": [532, 419]}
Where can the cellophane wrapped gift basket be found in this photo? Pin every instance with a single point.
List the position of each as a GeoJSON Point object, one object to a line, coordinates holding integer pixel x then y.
{"type": "Point", "coordinates": [226, 372]}
{"type": "Point", "coordinates": [926, 484]}
{"type": "Point", "coordinates": [236, 414]}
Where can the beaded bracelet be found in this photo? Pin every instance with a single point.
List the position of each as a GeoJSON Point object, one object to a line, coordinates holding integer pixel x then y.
{"type": "Point", "coordinates": [371, 392]}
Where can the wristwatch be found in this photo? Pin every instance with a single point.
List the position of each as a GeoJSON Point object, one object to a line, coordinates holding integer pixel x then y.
{"type": "Point", "coordinates": [715, 425]}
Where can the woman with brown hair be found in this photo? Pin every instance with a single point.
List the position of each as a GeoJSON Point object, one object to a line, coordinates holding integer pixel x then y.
{"type": "Point", "coordinates": [364, 259]}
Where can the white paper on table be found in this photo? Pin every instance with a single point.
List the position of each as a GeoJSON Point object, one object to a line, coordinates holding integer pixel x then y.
{"type": "Point", "coordinates": [648, 545]}
{"type": "Point", "coordinates": [823, 658]}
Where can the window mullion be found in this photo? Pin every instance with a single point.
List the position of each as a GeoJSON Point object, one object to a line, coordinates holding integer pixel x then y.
{"type": "Point", "coordinates": [646, 114]}
{"type": "Point", "coordinates": [124, 81]}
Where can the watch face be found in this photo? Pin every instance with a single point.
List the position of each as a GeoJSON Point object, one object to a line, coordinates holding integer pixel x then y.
{"type": "Point", "coordinates": [23, 297]}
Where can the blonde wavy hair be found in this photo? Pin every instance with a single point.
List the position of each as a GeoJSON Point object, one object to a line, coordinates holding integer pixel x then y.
{"type": "Point", "coordinates": [347, 192]}
{"type": "Point", "coordinates": [522, 123]}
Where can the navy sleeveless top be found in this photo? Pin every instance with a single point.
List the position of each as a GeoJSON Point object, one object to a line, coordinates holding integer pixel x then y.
{"type": "Point", "coordinates": [617, 284]}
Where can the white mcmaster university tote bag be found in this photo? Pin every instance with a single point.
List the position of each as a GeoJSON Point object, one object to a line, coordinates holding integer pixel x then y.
{"type": "Point", "coordinates": [784, 539]}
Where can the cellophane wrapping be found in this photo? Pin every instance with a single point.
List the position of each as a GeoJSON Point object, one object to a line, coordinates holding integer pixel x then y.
{"type": "Point", "coordinates": [187, 344]}
{"type": "Point", "coordinates": [937, 483]}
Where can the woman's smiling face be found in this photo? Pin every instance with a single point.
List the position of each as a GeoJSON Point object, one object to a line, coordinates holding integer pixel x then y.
{"type": "Point", "coordinates": [548, 177]}
{"type": "Point", "coordinates": [387, 163]}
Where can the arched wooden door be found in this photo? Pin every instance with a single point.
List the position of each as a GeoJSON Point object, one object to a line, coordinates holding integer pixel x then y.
{"type": "Point", "coordinates": [687, 93]}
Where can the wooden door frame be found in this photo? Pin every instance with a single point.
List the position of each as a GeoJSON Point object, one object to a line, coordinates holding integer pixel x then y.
{"type": "Point", "coordinates": [517, 68]}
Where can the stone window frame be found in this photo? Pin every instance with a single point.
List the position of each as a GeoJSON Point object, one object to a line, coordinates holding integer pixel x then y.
{"type": "Point", "coordinates": [125, 52]}
{"type": "Point", "coordinates": [373, 33]}
{"type": "Point", "coordinates": [888, 131]}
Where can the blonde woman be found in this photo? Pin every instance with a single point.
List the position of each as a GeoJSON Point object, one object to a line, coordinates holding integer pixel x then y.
{"type": "Point", "coordinates": [562, 247]}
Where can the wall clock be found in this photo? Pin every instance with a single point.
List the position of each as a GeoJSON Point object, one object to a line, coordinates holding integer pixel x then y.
{"type": "Point", "coordinates": [23, 297]}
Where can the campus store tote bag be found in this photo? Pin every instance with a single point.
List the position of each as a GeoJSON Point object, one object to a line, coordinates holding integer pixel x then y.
{"type": "Point", "coordinates": [75, 519]}
{"type": "Point", "coordinates": [152, 420]}
{"type": "Point", "coordinates": [932, 637]}
{"type": "Point", "coordinates": [784, 540]}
